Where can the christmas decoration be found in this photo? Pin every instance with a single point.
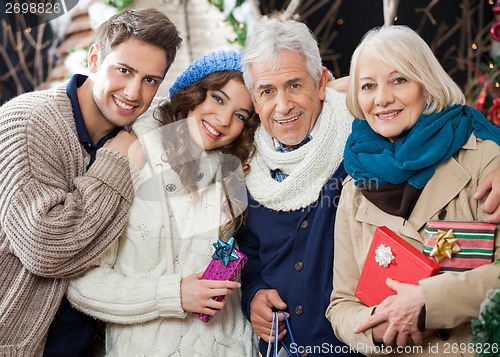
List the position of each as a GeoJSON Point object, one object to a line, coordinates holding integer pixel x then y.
{"type": "Point", "coordinates": [240, 14]}
{"type": "Point", "coordinates": [486, 330]}
{"type": "Point", "coordinates": [483, 90]}
{"type": "Point", "coordinates": [495, 29]}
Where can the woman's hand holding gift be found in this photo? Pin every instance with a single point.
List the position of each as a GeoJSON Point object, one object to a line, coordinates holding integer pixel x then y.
{"type": "Point", "coordinates": [197, 294]}
{"type": "Point", "coordinates": [395, 320]}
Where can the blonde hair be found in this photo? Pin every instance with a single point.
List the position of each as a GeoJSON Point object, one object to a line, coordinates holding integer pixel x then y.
{"type": "Point", "coordinates": [404, 50]}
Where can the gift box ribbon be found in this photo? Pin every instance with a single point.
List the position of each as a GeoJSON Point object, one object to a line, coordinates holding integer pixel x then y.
{"type": "Point", "coordinates": [383, 255]}
{"type": "Point", "coordinates": [224, 251]}
{"type": "Point", "coordinates": [446, 245]}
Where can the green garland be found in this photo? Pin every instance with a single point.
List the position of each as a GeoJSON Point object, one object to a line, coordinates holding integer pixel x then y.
{"type": "Point", "coordinates": [486, 330]}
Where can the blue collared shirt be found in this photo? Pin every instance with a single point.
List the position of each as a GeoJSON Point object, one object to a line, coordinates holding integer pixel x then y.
{"type": "Point", "coordinates": [277, 174]}
{"type": "Point", "coordinates": [83, 134]}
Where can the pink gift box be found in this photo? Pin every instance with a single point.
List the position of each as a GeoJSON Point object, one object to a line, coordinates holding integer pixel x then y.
{"type": "Point", "coordinates": [216, 270]}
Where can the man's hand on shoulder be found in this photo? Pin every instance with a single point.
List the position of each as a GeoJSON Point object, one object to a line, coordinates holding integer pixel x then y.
{"type": "Point", "coordinates": [488, 192]}
{"type": "Point", "coordinates": [339, 84]}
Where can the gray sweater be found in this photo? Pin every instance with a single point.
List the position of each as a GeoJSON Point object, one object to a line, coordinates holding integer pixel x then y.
{"type": "Point", "coordinates": [56, 218]}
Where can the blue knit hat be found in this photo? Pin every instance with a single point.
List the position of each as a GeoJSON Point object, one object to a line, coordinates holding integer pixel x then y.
{"type": "Point", "coordinates": [211, 63]}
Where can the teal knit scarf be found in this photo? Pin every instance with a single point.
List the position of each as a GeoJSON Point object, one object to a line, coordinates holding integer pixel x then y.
{"type": "Point", "coordinates": [372, 158]}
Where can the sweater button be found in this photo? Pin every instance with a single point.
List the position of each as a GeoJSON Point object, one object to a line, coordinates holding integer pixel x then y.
{"type": "Point", "coordinates": [299, 309]}
{"type": "Point", "coordinates": [170, 187]}
{"type": "Point", "coordinates": [299, 266]}
{"type": "Point", "coordinates": [304, 224]}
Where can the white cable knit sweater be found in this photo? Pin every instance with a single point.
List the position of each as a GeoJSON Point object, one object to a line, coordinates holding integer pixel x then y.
{"type": "Point", "coordinates": [136, 288]}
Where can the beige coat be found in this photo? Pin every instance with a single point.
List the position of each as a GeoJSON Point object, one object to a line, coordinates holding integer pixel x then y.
{"type": "Point", "coordinates": [452, 300]}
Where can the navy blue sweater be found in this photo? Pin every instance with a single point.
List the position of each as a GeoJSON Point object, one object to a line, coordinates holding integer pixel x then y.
{"type": "Point", "coordinates": [292, 252]}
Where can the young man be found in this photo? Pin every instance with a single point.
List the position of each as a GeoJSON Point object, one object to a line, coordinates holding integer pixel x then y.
{"type": "Point", "coordinates": [66, 180]}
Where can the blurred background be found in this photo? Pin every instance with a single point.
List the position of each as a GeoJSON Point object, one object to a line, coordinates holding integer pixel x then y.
{"type": "Point", "coordinates": [39, 50]}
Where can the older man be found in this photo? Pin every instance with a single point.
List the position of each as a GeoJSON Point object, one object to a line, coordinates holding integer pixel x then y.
{"type": "Point", "coordinates": [294, 185]}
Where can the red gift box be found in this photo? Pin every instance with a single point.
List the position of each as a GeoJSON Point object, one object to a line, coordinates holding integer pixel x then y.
{"type": "Point", "coordinates": [390, 256]}
{"type": "Point", "coordinates": [217, 270]}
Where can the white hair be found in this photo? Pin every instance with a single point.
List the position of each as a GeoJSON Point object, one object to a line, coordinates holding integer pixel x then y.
{"type": "Point", "coordinates": [270, 38]}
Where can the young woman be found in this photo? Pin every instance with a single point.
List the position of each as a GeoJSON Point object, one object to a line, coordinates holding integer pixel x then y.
{"type": "Point", "coordinates": [190, 193]}
{"type": "Point", "coordinates": [416, 153]}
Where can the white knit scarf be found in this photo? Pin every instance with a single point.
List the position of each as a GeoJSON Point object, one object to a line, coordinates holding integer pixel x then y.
{"type": "Point", "coordinates": [309, 167]}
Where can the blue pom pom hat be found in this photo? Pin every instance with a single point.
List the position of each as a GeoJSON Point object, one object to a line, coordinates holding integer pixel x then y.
{"type": "Point", "coordinates": [202, 67]}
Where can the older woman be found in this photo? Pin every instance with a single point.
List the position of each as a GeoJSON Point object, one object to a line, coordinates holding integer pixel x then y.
{"type": "Point", "coordinates": [416, 153]}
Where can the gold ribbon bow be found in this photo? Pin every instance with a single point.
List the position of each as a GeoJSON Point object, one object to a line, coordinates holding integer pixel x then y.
{"type": "Point", "coordinates": [446, 245]}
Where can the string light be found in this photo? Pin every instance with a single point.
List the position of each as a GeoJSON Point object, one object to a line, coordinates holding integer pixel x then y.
{"type": "Point", "coordinates": [28, 30]}
{"type": "Point", "coordinates": [340, 22]}
{"type": "Point", "coordinates": [474, 46]}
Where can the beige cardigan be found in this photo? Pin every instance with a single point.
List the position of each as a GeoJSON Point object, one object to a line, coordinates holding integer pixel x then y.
{"type": "Point", "coordinates": [55, 218]}
{"type": "Point", "coordinates": [450, 190]}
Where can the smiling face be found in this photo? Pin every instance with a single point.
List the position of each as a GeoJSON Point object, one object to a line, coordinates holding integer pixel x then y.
{"type": "Point", "coordinates": [287, 99]}
{"type": "Point", "coordinates": [124, 82]}
{"type": "Point", "coordinates": [220, 118]}
{"type": "Point", "coordinates": [391, 103]}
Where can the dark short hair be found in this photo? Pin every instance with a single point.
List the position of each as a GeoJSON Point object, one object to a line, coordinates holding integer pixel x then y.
{"type": "Point", "coordinates": [147, 25]}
